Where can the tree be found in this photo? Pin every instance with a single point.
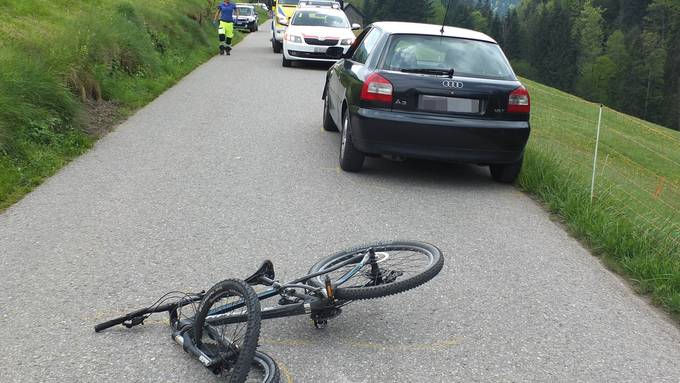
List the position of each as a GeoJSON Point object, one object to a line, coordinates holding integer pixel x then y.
{"type": "Point", "coordinates": [420, 11]}
{"type": "Point", "coordinates": [589, 35]}
{"type": "Point", "coordinates": [511, 37]}
{"type": "Point", "coordinates": [496, 28]}
{"type": "Point", "coordinates": [617, 52]}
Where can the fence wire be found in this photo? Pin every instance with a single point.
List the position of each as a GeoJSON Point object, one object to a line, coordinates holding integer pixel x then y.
{"type": "Point", "coordinates": [638, 163]}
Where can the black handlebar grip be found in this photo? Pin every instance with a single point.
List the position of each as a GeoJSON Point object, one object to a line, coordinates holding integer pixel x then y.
{"type": "Point", "coordinates": [111, 323]}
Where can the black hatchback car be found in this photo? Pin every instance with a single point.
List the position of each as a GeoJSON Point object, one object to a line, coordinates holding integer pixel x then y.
{"type": "Point", "coordinates": [419, 91]}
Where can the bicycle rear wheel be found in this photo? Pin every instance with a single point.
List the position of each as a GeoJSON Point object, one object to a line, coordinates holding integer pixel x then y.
{"type": "Point", "coordinates": [234, 344]}
{"type": "Point", "coordinates": [263, 370]}
{"type": "Point", "coordinates": [401, 266]}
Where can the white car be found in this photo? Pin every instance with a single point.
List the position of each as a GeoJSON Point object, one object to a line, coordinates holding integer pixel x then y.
{"type": "Point", "coordinates": [312, 30]}
{"type": "Point", "coordinates": [246, 17]}
{"type": "Point", "coordinates": [319, 3]}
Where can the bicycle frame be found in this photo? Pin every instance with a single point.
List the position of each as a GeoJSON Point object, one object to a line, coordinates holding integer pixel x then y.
{"type": "Point", "coordinates": [313, 304]}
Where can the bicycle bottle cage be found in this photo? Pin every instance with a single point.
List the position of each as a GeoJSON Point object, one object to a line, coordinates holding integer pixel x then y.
{"type": "Point", "coordinates": [266, 270]}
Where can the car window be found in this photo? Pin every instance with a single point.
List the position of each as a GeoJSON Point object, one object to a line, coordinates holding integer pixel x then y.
{"type": "Point", "coordinates": [468, 58]}
{"type": "Point", "coordinates": [245, 11]}
{"type": "Point", "coordinates": [289, 2]}
{"type": "Point", "coordinates": [319, 19]}
{"type": "Point", "coordinates": [366, 47]}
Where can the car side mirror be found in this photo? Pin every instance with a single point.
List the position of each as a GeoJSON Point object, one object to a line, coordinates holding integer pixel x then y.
{"type": "Point", "coordinates": [283, 21]}
{"type": "Point", "coordinates": [356, 26]}
{"type": "Point", "coordinates": [335, 52]}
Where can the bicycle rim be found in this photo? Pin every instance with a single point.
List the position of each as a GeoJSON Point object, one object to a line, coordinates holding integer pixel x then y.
{"type": "Point", "coordinates": [401, 265]}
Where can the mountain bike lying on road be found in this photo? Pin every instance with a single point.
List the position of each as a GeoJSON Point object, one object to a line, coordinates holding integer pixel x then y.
{"type": "Point", "coordinates": [222, 331]}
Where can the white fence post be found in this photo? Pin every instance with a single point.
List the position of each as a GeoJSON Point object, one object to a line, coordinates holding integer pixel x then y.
{"type": "Point", "coordinates": [597, 144]}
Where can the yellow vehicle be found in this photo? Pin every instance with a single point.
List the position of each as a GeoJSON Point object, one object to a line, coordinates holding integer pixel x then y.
{"type": "Point", "coordinates": [281, 9]}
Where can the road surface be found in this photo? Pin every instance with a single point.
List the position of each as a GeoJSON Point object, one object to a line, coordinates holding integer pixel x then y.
{"type": "Point", "coordinates": [231, 167]}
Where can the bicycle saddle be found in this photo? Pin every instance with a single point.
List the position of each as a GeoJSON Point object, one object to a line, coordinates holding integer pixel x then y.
{"type": "Point", "coordinates": [266, 270]}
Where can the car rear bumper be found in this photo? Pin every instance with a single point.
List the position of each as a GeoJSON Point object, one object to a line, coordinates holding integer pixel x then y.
{"type": "Point", "coordinates": [419, 135]}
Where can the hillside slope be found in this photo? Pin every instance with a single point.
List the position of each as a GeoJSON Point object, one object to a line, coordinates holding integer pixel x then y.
{"type": "Point", "coordinates": [63, 59]}
{"type": "Point", "coordinates": [634, 218]}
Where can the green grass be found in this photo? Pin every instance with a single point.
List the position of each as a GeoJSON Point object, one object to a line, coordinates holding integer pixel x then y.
{"type": "Point", "coordinates": [633, 222]}
{"type": "Point", "coordinates": [57, 54]}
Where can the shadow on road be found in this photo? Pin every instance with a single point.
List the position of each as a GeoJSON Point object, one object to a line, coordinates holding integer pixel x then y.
{"type": "Point", "coordinates": [428, 173]}
{"type": "Point", "coordinates": [313, 65]}
{"type": "Point", "coordinates": [418, 172]}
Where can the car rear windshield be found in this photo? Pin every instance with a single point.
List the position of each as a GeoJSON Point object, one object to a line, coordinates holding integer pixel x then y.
{"type": "Point", "coordinates": [468, 58]}
{"type": "Point", "coordinates": [245, 11]}
{"type": "Point", "coordinates": [319, 19]}
{"type": "Point", "coordinates": [289, 2]}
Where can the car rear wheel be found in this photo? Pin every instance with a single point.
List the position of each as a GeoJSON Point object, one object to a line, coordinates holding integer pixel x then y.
{"type": "Point", "coordinates": [506, 173]}
{"type": "Point", "coordinates": [328, 124]}
{"type": "Point", "coordinates": [351, 160]}
{"type": "Point", "coordinates": [285, 62]}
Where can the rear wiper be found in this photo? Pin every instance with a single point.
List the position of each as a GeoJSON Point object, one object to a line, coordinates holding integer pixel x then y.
{"type": "Point", "coordinates": [448, 72]}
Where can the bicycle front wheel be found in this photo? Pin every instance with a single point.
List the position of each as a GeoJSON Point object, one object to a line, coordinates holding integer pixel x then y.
{"type": "Point", "coordinates": [263, 370]}
{"type": "Point", "coordinates": [398, 266]}
{"type": "Point", "coordinates": [232, 344]}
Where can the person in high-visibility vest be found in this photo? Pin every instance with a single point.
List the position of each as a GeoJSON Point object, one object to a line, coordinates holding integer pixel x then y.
{"type": "Point", "coordinates": [225, 28]}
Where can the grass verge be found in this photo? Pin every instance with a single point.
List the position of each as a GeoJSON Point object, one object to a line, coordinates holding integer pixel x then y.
{"type": "Point", "coordinates": [632, 224]}
{"type": "Point", "coordinates": [58, 56]}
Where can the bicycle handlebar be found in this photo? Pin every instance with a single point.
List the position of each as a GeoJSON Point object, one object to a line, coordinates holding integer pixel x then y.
{"type": "Point", "coordinates": [137, 317]}
{"type": "Point", "coordinates": [121, 320]}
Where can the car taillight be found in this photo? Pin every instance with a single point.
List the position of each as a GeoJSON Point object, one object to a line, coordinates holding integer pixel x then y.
{"type": "Point", "coordinates": [377, 88]}
{"type": "Point", "coordinates": [519, 101]}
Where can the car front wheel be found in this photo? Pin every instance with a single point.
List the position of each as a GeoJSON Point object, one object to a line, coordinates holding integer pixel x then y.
{"type": "Point", "coordinates": [351, 159]}
{"type": "Point", "coordinates": [285, 62]}
{"type": "Point", "coordinates": [506, 173]}
{"type": "Point", "coordinates": [276, 46]}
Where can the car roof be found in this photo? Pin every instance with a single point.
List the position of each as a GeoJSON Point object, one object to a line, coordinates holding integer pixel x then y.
{"type": "Point", "coordinates": [330, 11]}
{"type": "Point", "coordinates": [394, 27]}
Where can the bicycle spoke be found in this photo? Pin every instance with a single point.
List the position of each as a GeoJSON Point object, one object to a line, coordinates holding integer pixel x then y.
{"type": "Point", "coordinates": [395, 264]}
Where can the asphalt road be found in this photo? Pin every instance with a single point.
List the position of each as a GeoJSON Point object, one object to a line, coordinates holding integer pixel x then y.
{"type": "Point", "coordinates": [231, 167]}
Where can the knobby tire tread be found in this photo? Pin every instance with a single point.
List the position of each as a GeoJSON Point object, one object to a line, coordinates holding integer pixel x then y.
{"type": "Point", "coordinates": [239, 372]}
{"type": "Point", "coordinates": [275, 376]}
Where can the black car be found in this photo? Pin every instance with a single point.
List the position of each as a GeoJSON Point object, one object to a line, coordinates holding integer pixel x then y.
{"type": "Point", "coordinates": [419, 91]}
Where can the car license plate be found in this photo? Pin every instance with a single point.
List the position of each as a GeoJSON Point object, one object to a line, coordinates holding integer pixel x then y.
{"type": "Point", "coordinates": [448, 104]}
{"type": "Point", "coordinates": [320, 50]}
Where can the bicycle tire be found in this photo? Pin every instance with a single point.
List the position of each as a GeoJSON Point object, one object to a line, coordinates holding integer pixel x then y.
{"type": "Point", "coordinates": [264, 369]}
{"type": "Point", "coordinates": [238, 370]}
{"type": "Point", "coordinates": [429, 271]}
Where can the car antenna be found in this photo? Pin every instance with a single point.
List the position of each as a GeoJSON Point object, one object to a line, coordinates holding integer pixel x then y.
{"type": "Point", "coordinates": [446, 15]}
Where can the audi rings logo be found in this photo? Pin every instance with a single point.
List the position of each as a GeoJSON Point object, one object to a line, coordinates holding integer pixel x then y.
{"type": "Point", "coordinates": [452, 84]}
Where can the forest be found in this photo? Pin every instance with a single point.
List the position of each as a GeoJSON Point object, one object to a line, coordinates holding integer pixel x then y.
{"type": "Point", "coordinates": [622, 53]}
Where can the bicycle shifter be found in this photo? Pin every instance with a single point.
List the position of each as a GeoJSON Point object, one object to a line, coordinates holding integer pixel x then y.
{"type": "Point", "coordinates": [136, 321]}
